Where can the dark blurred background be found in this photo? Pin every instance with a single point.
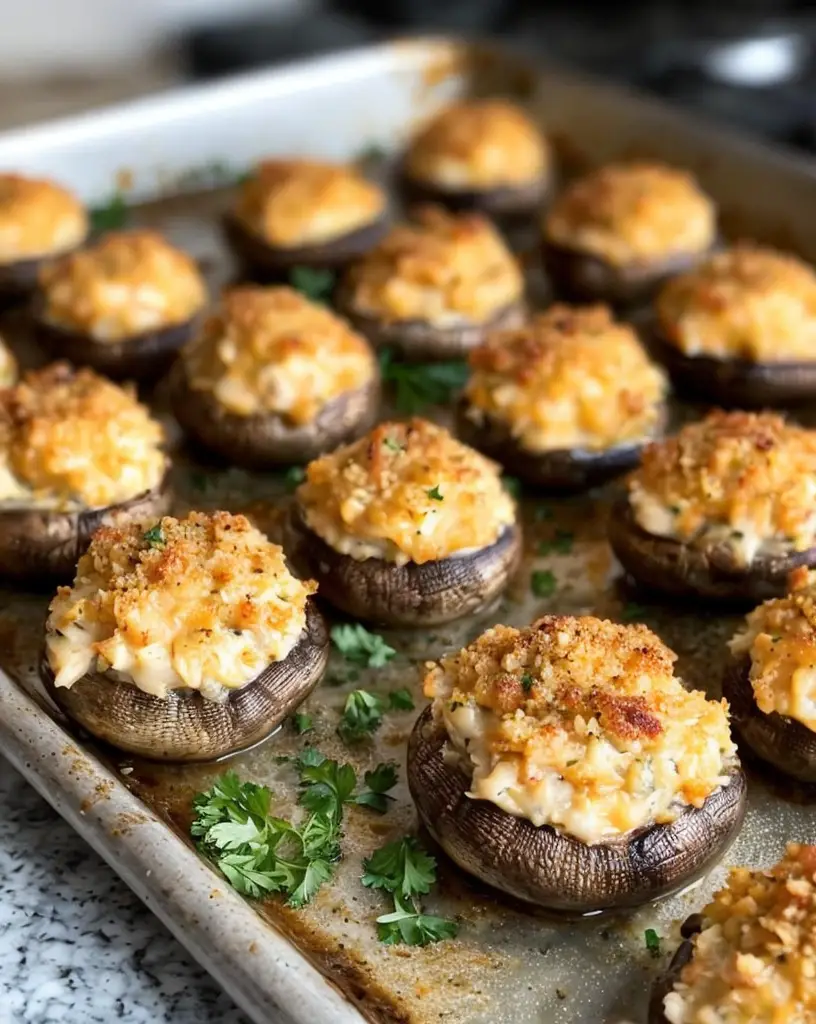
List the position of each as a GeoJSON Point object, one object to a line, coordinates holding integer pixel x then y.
{"type": "Point", "coordinates": [750, 63]}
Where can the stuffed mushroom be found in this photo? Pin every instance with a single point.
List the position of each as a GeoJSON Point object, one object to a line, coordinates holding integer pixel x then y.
{"type": "Point", "coordinates": [273, 378]}
{"type": "Point", "coordinates": [484, 155]}
{"type": "Point", "coordinates": [771, 682]}
{"type": "Point", "coordinates": [76, 451]}
{"type": "Point", "coordinates": [39, 220]}
{"type": "Point", "coordinates": [617, 233]}
{"type": "Point", "coordinates": [183, 639]}
{"type": "Point", "coordinates": [406, 526]}
{"type": "Point", "coordinates": [566, 765]}
{"type": "Point", "coordinates": [740, 329]}
{"type": "Point", "coordinates": [749, 958]}
{"type": "Point", "coordinates": [433, 288]}
{"type": "Point", "coordinates": [724, 510]}
{"type": "Point", "coordinates": [303, 213]}
{"type": "Point", "coordinates": [565, 401]}
{"type": "Point", "coordinates": [123, 306]}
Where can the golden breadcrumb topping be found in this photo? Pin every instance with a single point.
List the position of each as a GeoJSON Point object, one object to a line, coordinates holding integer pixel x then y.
{"type": "Point", "coordinates": [8, 366]}
{"type": "Point", "coordinates": [743, 480]}
{"type": "Point", "coordinates": [754, 961]}
{"type": "Point", "coordinates": [569, 378]}
{"type": "Point", "coordinates": [204, 603]}
{"type": "Point", "coordinates": [128, 283]}
{"type": "Point", "coordinates": [290, 203]}
{"type": "Point", "coordinates": [632, 213]}
{"type": "Point", "coordinates": [745, 303]}
{"type": "Point", "coordinates": [38, 218]}
{"type": "Point", "coordinates": [580, 723]}
{"type": "Point", "coordinates": [72, 438]}
{"type": "Point", "coordinates": [780, 637]}
{"type": "Point", "coordinates": [478, 144]}
{"type": "Point", "coordinates": [441, 268]}
{"type": "Point", "coordinates": [406, 492]}
{"type": "Point", "coordinates": [270, 350]}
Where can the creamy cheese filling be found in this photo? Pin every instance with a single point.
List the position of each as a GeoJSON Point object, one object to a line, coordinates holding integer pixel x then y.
{"type": "Point", "coordinates": [38, 218]}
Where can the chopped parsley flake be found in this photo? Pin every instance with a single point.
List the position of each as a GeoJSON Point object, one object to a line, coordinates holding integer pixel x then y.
{"type": "Point", "coordinates": [435, 494]}
{"type": "Point", "coordinates": [652, 942]}
{"type": "Point", "coordinates": [401, 700]}
{"type": "Point", "coordinates": [302, 723]}
{"type": "Point", "coordinates": [542, 583]}
{"type": "Point", "coordinates": [316, 285]}
{"type": "Point", "coordinates": [155, 537]}
{"type": "Point", "coordinates": [361, 647]}
{"type": "Point", "coordinates": [527, 682]}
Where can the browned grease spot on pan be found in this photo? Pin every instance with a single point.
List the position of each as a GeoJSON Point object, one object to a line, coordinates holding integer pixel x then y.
{"type": "Point", "coordinates": [101, 791]}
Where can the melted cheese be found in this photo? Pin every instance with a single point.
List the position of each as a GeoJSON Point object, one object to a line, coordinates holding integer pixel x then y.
{"type": "Point", "coordinates": [38, 218]}
{"type": "Point", "coordinates": [580, 723]}
{"type": "Point", "coordinates": [204, 603]}
{"type": "Point", "coordinates": [746, 303]}
{"type": "Point", "coordinates": [290, 203]}
{"type": "Point", "coordinates": [754, 961]}
{"type": "Point", "coordinates": [129, 283]}
{"type": "Point", "coordinates": [478, 144]}
{"type": "Point", "coordinates": [442, 269]}
{"type": "Point", "coordinates": [69, 438]}
{"type": "Point", "coordinates": [269, 350]}
{"type": "Point", "coordinates": [780, 637]}
{"type": "Point", "coordinates": [743, 480]}
{"type": "Point", "coordinates": [633, 213]}
{"type": "Point", "coordinates": [569, 378]}
{"type": "Point", "coordinates": [8, 366]}
{"type": "Point", "coordinates": [377, 497]}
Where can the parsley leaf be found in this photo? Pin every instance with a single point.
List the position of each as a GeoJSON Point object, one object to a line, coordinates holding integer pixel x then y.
{"type": "Point", "coordinates": [315, 284]}
{"type": "Point", "coordinates": [362, 716]}
{"type": "Point", "coordinates": [155, 537]}
{"type": "Point", "coordinates": [406, 871]}
{"type": "Point", "coordinates": [418, 385]}
{"type": "Point", "coordinates": [561, 544]}
{"type": "Point", "coordinates": [632, 611]}
{"type": "Point", "coordinates": [302, 723]}
{"type": "Point", "coordinates": [378, 782]}
{"type": "Point", "coordinates": [392, 445]}
{"type": "Point", "coordinates": [542, 583]}
{"type": "Point", "coordinates": [527, 682]}
{"type": "Point", "coordinates": [435, 493]}
{"type": "Point", "coordinates": [401, 700]}
{"type": "Point", "coordinates": [112, 215]}
{"type": "Point", "coordinates": [359, 646]}
{"type": "Point", "coordinates": [652, 942]}
{"type": "Point", "coordinates": [294, 477]}
{"type": "Point", "coordinates": [513, 486]}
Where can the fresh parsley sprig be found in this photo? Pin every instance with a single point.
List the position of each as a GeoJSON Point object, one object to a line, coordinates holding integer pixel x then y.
{"type": "Point", "coordinates": [362, 716]}
{"type": "Point", "coordinates": [110, 216]}
{"type": "Point", "coordinates": [361, 647]}
{"type": "Point", "coordinates": [315, 284]}
{"type": "Point", "coordinates": [418, 385]}
{"type": "Point", "coordinates": [406, 871]}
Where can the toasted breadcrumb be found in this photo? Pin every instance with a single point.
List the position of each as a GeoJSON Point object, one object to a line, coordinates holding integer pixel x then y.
{"type": "Point", "coordinates": [38, 218]}
{"type": "Point", "coordinates": [204, 603]}
{"type": "Point", "coordinates": [405, 492]}
{"type": "Point", "coordinates": [633, 213]}
{"type": "Point", "coordinates": [569, 378]}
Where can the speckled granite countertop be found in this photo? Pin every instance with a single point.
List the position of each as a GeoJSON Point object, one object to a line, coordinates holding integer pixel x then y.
{"type": "Point", "coordinates": [76, 946]}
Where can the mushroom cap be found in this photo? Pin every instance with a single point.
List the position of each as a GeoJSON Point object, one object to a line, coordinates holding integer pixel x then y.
{"type": "Point", "coordinates": [735, 383]}
{"type": "Point", "coordinates": [43, 544]}
{"type": "Point", "coordinates": [559, 469]}
{"type": "Point", "coordinates": [19, 279]}
{"type": "Point", "coordinates": [406, 595]}
{"type": "Point", "coordinates": [665, 983]}
{"type": "Point", "coordinates": [552, 869]}
{"type": "Point", "coordinates": [419, 340]}
{"type": "Point", "coordinates": [264, 440]}
{"type": "Point", "coordinates": [185, 726]}
{"type": "Point", "coordinates": [270, 263]}
{"type": "Point", "coordinates": [682, 570]}
{"type": "Point", "coordinates": [504, 202]}
{"type": "Point", "coordinates": [785, 743]}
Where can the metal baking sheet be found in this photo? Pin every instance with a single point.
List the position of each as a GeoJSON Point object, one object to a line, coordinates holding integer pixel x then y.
{"type": "Point", "coordinates": [323, 964]}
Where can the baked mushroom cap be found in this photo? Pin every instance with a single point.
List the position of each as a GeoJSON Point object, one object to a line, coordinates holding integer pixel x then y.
{"type": "Point", "coordinates": [184, 725]}
{"type": "Point", "coordinates": [740, 328]}
{"type": "Point", "coordinates": [91, 306]}
{"type": "Point", "coordinates": [433, 288]}
{"type": "Point", "coordinates": [500, 758]}
{"type": "Point", "coordinates": [618, 232]}
{"type": "Point", "coordinates": [154, 647]}
{"type": "Point", "coordinates": [565, 401]}
{"type": "Point", "coordinates": [721, 510]}
{"type": "Point", "coordinates": [406, 526]}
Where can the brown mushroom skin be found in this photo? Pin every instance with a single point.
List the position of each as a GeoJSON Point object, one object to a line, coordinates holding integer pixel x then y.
{"type": "Point", "coordinates": [141, 357]}
{"type": "Point", "coordinates": [559, 469]}
{"type": "Point", "coordinates": [682, 570]}
{"type": "Point", "coordinates": [664, 984]}
{"type": "Point", "coordinates": [782, 742]}
{"type": "Point", "coordinates": [264, 262]}
{"type": "Point", "coordinates": [42, 545]}
{"type": "Point", "coordinates": [582, 277]}
{"type": "Point", "coordinates": [18, 280]}
{"type": "Point", "coordinates": [546, 867]}
{"type": "Point", "coordinates": [506, 204]}
{"type": "Point", "coordinates": [266, 441]}
{"type": "Point", "coordinates": [184, 726]}
{"type": "Point", "coordinates": [421, 341]}
{"type": "Point", "coordinates": [735, 383]}
{"type": "Point", "coordinates": [407, 595]}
